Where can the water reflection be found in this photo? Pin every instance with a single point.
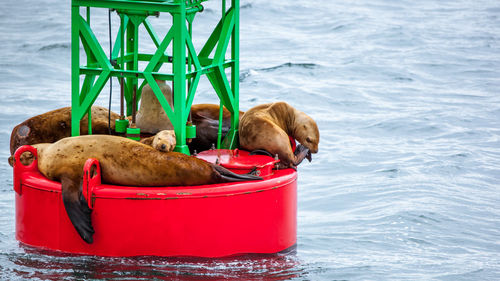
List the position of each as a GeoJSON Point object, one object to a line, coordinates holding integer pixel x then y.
{"type": "Point", "coordinates": [49, 265]}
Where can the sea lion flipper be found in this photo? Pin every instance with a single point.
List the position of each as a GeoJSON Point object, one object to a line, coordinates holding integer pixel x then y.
{"type": "Point", "coordinates": [300, 153]}
{"type": "Point", "coordinates": [309, 156]}
{"type": "Point", "coordinates": [77, 208]}
{"type": "Point", "coordinates": [229, 176]}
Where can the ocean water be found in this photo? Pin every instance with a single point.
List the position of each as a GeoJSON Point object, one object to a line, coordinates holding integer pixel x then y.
{"type": "Point", "coordinates": [406, 184]}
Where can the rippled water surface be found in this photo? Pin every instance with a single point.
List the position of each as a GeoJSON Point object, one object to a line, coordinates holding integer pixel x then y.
{"type": "Point", "coordinates": [407, 98]}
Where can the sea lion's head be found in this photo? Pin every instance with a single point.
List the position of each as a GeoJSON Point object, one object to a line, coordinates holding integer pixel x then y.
{"type": "Point", "coordinates": [26, 158]}
{"type": "Point", "coordinates": [306, 131]}
{"type": "Point", "coordinates": [47, 127]}
{"type": "Point", "coordinates": [164, 141]}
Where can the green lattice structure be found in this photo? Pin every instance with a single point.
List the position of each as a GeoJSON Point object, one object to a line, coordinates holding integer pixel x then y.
{"type": "Point", "coordinates": [187, 64]}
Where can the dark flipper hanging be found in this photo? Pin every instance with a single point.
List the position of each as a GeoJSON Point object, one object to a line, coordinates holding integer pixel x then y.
{"type": "Point", "coordinates": [77, 208]}
{"type": "Point", "coordinates": [233, 177]}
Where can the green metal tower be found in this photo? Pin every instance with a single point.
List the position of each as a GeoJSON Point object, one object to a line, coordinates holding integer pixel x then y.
{"type": "Point", "coordinates": [187, 64]}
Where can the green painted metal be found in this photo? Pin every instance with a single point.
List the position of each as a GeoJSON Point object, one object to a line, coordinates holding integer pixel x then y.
{"type": "Point", "coordinates": [121, 126]}
{"type": "Point", "coordinates": [187, 64]}
{"type": "Point", "coordinates": [133, 133]}
{"type": "Point", "coordinates": [191, 131]}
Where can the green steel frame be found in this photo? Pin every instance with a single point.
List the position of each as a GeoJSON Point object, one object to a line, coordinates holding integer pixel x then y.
{"type": "Point", "coordinates": [187, 64]}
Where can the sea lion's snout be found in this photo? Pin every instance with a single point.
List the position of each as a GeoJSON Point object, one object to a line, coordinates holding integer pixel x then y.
{"type": "Point", "coordinates": [311, 144]}
{"type": "Point", "coordinates": [25, 159]}
{"type": "Point", "coordinates": [11, 160]}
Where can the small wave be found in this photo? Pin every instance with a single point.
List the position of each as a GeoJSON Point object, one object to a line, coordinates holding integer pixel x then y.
{"type": "Point", "coordinates": [247, 73]}
{"type": "Point", "coordinates": [392, 173]}
{"type": "Point", "coordinates": [420, 241]}
{"type": "Point", "coordinates": [476, 274]}
{"type": "Point", "coordinates": [338, 27]}
{"type": "Point", "coordinates": [250, 72]}
{"type": "Point", "coordinates": [403, 79]}
{"type": "Point", "coordinates": [244, 75]}
{"type": "Point", "coordinates": [290, 65]}
{"type": "Point", "coordinates": [246, 6]}
{"type": "Point", "coordinates": [55, 46]}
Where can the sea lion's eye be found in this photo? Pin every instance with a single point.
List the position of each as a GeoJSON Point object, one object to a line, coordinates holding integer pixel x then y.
{"type": "Point", "coordinates": [308, 139]}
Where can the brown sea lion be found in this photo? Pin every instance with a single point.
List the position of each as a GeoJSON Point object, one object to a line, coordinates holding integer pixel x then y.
{"type": "Point", "coordinates": [123, 162]}
{"type": "Point", "coordinates": [56, 124]}
{"type": "Point", "coordinates": [206, 119]}
{"type": "Point", "coordinates": [151, 117]}
{"type": "Point", "coordinates": [163, 141]}
{"type": "Point", "coordinates": [268, 127]}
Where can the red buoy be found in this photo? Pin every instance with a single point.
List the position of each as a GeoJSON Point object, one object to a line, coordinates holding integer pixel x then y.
{"type": "Point", "coordinates": [203, 221]}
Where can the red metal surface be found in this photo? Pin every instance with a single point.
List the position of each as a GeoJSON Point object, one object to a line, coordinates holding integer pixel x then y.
{"type": "Point", "coordinates": [204, 221]}
{"type": "Point", "coordinates": [239, 161]}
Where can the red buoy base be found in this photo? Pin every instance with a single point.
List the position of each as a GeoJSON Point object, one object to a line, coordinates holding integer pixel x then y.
{"type": "Point", "coordinates": [201, 221]}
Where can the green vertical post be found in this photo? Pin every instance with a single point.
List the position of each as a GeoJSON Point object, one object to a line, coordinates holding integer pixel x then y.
{"type": "Point", "coordinates": [235, 56]}
{"type": "Point", "coordinates": [231, 140]}
{"type": "Point", "coordinates": [130, 65]}
{"type": "Point", "coordinates": [89, 117]}
{"type": "Point", "coordinates": [75, 70]}
{"type": "Point", "coordinates": [179, 69]}
{"type": "Point", "coordinates": [189, 59]}
{"type": "Point", "coordinates": [223, 8]}
{"type": "Point", "coordinates": [89, 61]}
{"type": "Point", "coordinates": [221, 118]}
{"type": "Point", "coordinates": [122, 66]}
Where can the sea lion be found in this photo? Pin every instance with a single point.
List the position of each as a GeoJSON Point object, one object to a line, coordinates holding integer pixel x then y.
{"type": "Point", "coordinates": [56, 124]}
{"type": "Point", "coordinates": [268, 127]}
{"type": "Point", "coordinates": [206, 119]}
{"type": "Point", "coordinates": [151, 117]}
{"type": "Point", "coordinates": [123, 162]}
{"type": "Point", "coordinates": [163, 141]}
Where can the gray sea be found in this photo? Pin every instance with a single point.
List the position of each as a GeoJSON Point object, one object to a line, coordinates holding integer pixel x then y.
{"type": "Point", "coordinates": [406, 184]}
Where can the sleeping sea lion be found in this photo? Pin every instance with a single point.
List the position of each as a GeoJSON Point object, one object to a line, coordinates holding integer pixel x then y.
{"type": "Point", "coordinates": [163, 141]}
{"type": "Point", "coordinates": [56, 124]}
{"type": "Point", "coordinates": [151, 117]}
{"type": "Point", "coordinates": [206, 119]}
{"type": "Point", "coordinates": [267, 127]}
{"type": "Point", "coordinates": [123, 162]}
